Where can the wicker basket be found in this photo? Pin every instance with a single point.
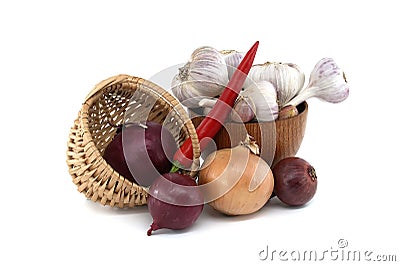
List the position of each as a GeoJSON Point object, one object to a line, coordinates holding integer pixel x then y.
{"type": "Point", "coordinates": [117, 100]}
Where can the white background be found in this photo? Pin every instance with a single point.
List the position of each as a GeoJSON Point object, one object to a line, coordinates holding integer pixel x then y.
{"type": "Point", "coordinates": [51, 55]}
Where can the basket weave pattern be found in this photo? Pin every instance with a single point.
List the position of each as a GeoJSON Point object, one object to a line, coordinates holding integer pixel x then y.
{"type": "Point", "coordinates": [117, 100]}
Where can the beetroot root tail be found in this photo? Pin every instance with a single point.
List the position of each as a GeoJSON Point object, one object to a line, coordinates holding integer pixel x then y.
{"type": "Point", "coordinates": [153, 227]}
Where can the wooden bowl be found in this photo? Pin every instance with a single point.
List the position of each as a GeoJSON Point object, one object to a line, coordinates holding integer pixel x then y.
{"type": "Point", "coordinates": [277, 139]}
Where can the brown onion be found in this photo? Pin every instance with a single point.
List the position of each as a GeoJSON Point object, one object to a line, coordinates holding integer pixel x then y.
{"type": "Point", "coordinates": [236, 181]}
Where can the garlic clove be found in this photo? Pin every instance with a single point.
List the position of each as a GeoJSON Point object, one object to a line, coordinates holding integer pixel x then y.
{"type": "Point", "coordinates": [264, 97]}
{"type": "Point", "coordinates": [205, 75]}
{"type": "Point", "coordinates": [288, 112]}
{"type": "Point", "coordinates": [243, 110]}
{"type": "Point", "coordinates": [232, 59]}
{"type": "Point", "coordinates": [207, 104]}
{"type": "Point", "coordinates": [327, 82]}
{"type": "Point", "coordinates": [287, 78]}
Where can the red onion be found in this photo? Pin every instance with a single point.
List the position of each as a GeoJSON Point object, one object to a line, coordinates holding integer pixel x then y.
{"type": "Point", "coordinates": [295, 181]}
{"type": "Point", "coordinates": [141, 152]}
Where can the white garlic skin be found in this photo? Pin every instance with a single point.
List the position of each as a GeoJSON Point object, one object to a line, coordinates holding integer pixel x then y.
{"type": "Point", "coordinates": [232, 59]}
{"type": "Point", "coordinates": [205, 75]}
{"type": "Point", "coordinates": [264, 97]}
{"type": "Point", "coordinates": [330, 78]}
{"type": "Point", "coordinates": [287, 78]}
{"type": "Point", "coordinates": [207, 104]}
{"type": "Point", "coordinates": [243, 110]}
{"type": "Point", "coordinates": [327, 82]}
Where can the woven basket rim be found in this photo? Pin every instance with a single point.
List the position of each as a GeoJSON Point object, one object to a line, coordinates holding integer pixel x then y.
{"type": "Point", "coordinates": [158, 92]}
{"type": "Point", "coordinates": [155, 91]}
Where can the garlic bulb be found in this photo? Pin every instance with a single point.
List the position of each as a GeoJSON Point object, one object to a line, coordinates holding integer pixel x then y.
{"type": "Point", "coordinates": [243, 110]}
{"type": "Point", "coordinates": [263, 95]}
{"type": "Point", "coordinates": [287, 78]}
{"type": "Point", "coordinates": [205, 75]}
{"type": "Point", "coordinates": [256, 101]}
{"type": "Point", "coordinates": [232, 59]}
{"type": "Point", "coordinates": [327, 82]}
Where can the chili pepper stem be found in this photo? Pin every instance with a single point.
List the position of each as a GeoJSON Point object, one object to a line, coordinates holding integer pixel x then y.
{"type": "Point", "coordinates": [175, 167]}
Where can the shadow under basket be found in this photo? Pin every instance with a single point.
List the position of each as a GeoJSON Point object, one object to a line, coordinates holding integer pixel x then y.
{"type": "Point", "coordinates": [117, 100]}
{"type": "Point", "coordinates": [277, 139]}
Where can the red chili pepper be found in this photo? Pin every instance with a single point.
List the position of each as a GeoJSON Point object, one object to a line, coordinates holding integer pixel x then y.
{"type": "Point", "coordinates": [213, 122]}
